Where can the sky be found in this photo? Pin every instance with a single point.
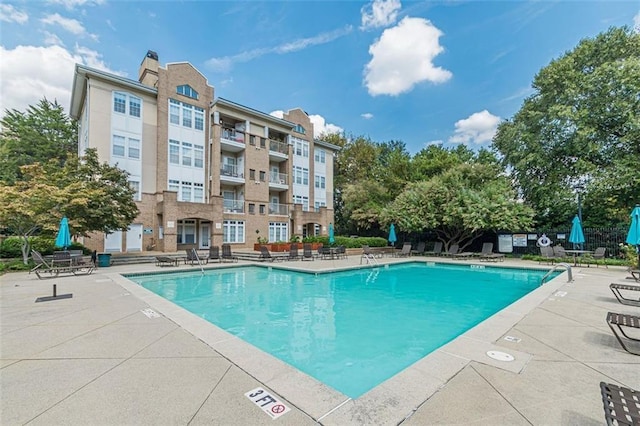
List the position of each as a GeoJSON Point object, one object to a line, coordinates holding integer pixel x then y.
{"type": "Point", "coordinates": [420, 72]}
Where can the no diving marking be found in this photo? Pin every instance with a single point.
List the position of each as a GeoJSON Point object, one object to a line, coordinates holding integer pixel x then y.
{"type": "Point", "coordinates": [267, 402]}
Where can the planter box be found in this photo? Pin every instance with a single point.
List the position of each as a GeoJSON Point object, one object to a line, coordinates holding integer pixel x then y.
{"type": "Point", "coordinates": [283, 247]}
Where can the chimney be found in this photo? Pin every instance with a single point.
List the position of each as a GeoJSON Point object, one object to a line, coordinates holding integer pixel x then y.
{"type": "Point", "coordinates": [148, 73]}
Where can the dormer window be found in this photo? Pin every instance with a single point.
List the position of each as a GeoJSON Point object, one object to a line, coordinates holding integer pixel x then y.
{"type": "Point", "coordinates": [188, 91]}
{"type": "Point", "coordinates": [299, 129]}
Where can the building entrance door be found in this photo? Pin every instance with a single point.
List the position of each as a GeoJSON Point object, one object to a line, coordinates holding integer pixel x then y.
{"type": "Point", "coordinates": [205, 235]}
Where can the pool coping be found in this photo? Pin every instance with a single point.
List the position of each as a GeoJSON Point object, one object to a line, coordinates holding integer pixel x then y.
{"type": "Point", "coordinates": [390, 402]}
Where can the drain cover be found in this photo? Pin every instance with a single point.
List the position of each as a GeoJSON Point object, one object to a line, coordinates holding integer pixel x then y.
{"type": "Point", "coordinates": [500, 356]}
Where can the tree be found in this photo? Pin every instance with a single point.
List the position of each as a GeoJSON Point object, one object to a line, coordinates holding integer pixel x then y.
{"type": "Point", "coordinates": [41, 133]}
{"type": "Point", "coordinates": [581, 127]}
{"type": "Point", "coordinates": [94, 196]}
{"type": "Point", "coordinates": [29, 206]}
{"type": "Point", "coordinates": [459, 204]}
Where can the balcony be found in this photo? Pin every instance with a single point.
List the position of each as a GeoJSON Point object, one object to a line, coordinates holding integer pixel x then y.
{"type": "Point", "coordinates": [278, 209]}
{"type": "Point", "coordinates": [231, 175]}
{"type": "Point", "coordinates": [278, 150]}
{"type": "Point", "coordinates": [233, 206]}
{"type": "Point", "coordinates": [278, 181]}
{"type": "Point", "coordinates": [232, 140]}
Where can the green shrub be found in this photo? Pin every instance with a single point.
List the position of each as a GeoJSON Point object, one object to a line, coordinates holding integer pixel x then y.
{"type": "Point", "coordinates": [11, 247]}
{"type": "Point", "coordinates": [15, 265]}
{"type": "Point", "coordinates": [349, 242]}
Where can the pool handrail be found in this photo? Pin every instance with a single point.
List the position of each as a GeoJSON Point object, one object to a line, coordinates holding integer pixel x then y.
{"type": "Point", "coordinates": [564, 265]}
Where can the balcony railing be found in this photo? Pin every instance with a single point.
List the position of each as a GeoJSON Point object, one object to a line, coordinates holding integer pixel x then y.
{"type": "Point", "coordinates": [233, 206]}
{"type": "Point", "coordinates": [278, 209]}
{"type": "Point", "coordinates": [230, 170]}
{"type": "Point", "coordinates": [232, 135]}
{"type": "Point", "coordinates": [278, 178]}
{"type": "Point", "coordinates": [278, 146]}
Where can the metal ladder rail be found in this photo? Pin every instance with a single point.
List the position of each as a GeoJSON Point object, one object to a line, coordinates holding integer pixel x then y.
{"type": "Point", "coordinates": [195, 253]}
{"type": "Point", "coordinates": [564, 265]}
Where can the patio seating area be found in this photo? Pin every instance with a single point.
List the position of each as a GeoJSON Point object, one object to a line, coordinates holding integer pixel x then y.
{"type": "Point", "coordinates": [80, 360]}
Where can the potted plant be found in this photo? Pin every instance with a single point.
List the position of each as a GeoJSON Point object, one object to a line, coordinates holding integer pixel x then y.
{"type": "Point", "coordinates": [261, 241]}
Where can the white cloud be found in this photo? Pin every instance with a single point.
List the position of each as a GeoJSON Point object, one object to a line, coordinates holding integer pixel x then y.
{"type": "Point", "coordinates": [367, 116]}
{"type": "Point", "coordinates": [379, 13]}
{"type": "Point", "coordinates": [479, 127]}
{"type": "Point", "coordinates": [52, 39]}
{"type": "Point", "coordinates": [71, 25]}
{"type": "Point", "coordinates": [320, 126]}
{"type": "Point", "coordinates": [30, 73]}
{"type": "Point", "coordinates": [636, 23]}
{"type": "Point", "coordinates": [71, 4]}
{"type": "Point", "coordinates": [434, 142]}
{"type": "Point", "coordinates": [402, 58]}
{"type": "Point", "coordinates": [8, 13]}
{"type": "Point", "coordinates": [224, 64]}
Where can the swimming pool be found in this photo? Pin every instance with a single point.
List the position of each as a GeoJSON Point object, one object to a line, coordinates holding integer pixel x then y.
{"type": "Point", "coordinates": [351, 330]}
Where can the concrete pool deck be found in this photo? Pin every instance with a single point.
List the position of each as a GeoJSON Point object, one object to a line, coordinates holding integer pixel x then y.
{"type": "Point", "coordinates": [115, 353]}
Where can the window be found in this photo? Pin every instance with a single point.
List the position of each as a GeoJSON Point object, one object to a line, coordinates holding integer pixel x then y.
{"type": "Point", "coordinates": [186, 191]}
{"type": "Point", "coordinates": [134, 106]}
{"type": "Point", "coordinates": [301, 148]}
{"type": "Point", "coordinates": [174, 112]}
{"type": "Point", "coordinates": [186, 115]}
{"type": "Point", "coordinates": [192, 116]}
{"type": "Point", "coordinates": [119, 102]}
{"type": "Point", "coordinates": [135, 185]}
{"type": "Point", "coordinates": [233, 231]}
{"type": "Point", "coordinates": [263, 175]}
{"type": "Point", "coordinates": [118, 146]}
{"type": "Point", "coordinates": [174, 151]}
{"type": "Point", "coordinates": [278, 231]}
{"type": "Point", "coordinates": [319, 156]}
{"type": "Point", "coordinates": [320, 182]}
{"type": "Point", "coordinates": [198, 193]}
{"type": "Point", "coordinates": [298, 128]}
{"type": "Point", "coordinates": [252, 208]}
{"type": "Point", "coordinates": [305, 176]}
{"type": "Point", "coordinates": [252, 174]}
{"type": "Point", "coordinates": [319, 204]}
{"type": "Point", "coordinates": [299, 199]}
{"type": "Point", "coordinates": [186, 154]}
{"type": "Point", "coordinates": [186, 232]}
{"type": "Point", "coordinates": [263, 142]}
{"type": "Point", "coordinates": [134, 148]}
{"type": "Point", "coordinates": [174, 185]}
{"type": "Point", "coordinates": [187, 90]}
{"type": "Point", "coordinates": [263, 208]}
{"type": "Point", "coordinates": [199, 119]}
{"type": "Point", "coordinates": [198, 156]}
{"type": "Point", "coordinates": [252, 140]}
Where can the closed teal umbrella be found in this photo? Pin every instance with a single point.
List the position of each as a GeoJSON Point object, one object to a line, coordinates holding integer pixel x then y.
{"type": "Point", "coordinates": [576, 236]}
{"type": "Point", "coordinates": [633, 236]}
{"type": "Point", "coordinates": [392, 234]}
{"type": "Point", "coordinates": [63, 239]}
{"type": "Point", "coordinates": [332, 239]}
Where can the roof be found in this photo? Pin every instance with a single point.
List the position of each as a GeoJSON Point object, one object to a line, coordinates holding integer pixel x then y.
{"type": "Point", "coordinates": [248, 110]}
{"type": "Point", "coordinates": [82, 73]}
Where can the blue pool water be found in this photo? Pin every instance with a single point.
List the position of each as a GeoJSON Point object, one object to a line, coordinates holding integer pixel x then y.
{"type": "Point", "coordinates": [351, 330]}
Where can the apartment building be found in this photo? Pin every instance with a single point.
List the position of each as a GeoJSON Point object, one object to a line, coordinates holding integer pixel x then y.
{"type": "Point", "coordinates": [206, 170]}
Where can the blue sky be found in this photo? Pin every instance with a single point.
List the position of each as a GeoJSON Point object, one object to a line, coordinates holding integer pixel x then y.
{"type": "Point", "coordinates": [419, 72]}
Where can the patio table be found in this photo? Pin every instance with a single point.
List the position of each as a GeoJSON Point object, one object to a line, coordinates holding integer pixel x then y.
{"type": "Point", "coordinates": [575, 254]}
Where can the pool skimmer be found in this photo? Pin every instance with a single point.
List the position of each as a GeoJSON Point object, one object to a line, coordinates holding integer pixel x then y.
{"type": "Point", "coordinates": [500, 356]}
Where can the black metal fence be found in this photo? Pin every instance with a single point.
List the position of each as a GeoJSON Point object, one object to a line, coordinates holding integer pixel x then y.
{"type": "Point", "coordinates": [610, 238]}
{"type": "Point", "coordinates": [526, 242]}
